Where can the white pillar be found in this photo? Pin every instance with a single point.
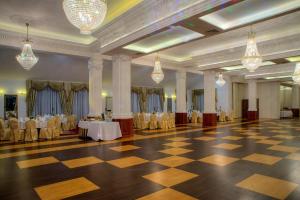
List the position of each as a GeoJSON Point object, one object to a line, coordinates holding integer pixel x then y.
{"type": "Point", "coordinates": [95, 65]}
{"type": "Point", "coordinates": [209, 92]}
{"type": "Point", "coordinates": [181, 92]}
{"type": "Point", "coordinates": [252, 95]}
{"type": "Point", "coordinates": [295, 97]}
{"type": "Point", "coordinates": [224, 95]}
{"type": "Point", "coordinates": [121, 76]}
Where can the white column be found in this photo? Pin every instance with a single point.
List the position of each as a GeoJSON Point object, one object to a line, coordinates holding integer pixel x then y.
{"type": "Point", "coordinates": [181, 92]}
{"type": "Point", "coordinates": [209, 92]}
{"type": "Point", "coordinates": [95, 65]}
{"type": "Point", "coordinates": [295, 97]}
{"type": "Point", "coordinates": [121, 76]}
{"type": "Point", "coordinates": [252, 95]}
{"type": "Point", "coordinates": [224, 95]}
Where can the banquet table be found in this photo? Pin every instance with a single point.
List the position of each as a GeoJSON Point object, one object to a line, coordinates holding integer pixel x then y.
{"type": "Point", "coordinates": [101, 130]}
{"type": "Point", "coordinates": [286, 114]}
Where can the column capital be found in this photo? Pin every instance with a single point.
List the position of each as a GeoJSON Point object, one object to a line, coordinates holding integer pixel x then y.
{"type": "Point", "coordinates": [180, 74]}
{"type": "Point", "coordinates": [96, 62]}
{"type": "Point", "coordinates": [121, 57]}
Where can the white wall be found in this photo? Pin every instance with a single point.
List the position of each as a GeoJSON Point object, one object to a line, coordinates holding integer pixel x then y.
{"type": "Point", "coordinates": [285, 97]}
{"type": "Point", "coordinates": [269, 100]}
{"type": "Point", "coordinates": [240, 91]}
{"type": "Point", "coordinates": [12, 87]}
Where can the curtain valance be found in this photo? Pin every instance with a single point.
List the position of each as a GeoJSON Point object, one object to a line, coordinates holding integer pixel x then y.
{"type": "Point", "coordinates": [143, 92]}
{"type": "Point", "coordinates": [66, 96]}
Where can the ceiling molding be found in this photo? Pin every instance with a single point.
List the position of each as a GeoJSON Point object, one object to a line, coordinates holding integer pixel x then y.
{"type": "Point", "coordinates": [139, 21]}
{"type": "Point", "coordinates": [14, 39]}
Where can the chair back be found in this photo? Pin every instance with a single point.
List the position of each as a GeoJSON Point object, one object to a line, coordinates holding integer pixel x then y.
{"type": "Point", "coordinates": [2, 124]}
{"type": "Point", "coordinates": [31, 124]}
{"type": "Point", "coordinates": [51, 123]}
{"type": "Point", "coordinates": [14, 124]}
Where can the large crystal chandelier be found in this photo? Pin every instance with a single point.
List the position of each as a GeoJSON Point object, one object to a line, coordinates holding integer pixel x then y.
{"type": "Point", "coordinates": [220, 82]}
{"type": "Point", "coordinates": [27, 59]}
{"type": "Point", "coordinates": [296, 75]}
{"type": "Point", "coordinates": [157, 74]}
{"type": "Point", "coordinates": [252, 59]}
{"type": "Point", "coordinates": [87, 15]}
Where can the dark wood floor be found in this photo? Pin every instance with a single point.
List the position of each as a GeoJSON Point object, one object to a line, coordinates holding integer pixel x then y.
{"type": "Point", "coordinates": [238, 161]}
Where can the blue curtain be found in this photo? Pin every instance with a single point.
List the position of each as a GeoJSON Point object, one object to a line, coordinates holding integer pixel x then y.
{"type": "Point", "coordinates": [135, 105]}
{"type": "Point", "coordinates": [81, 104]}
{"type": "Point", "coordinates": [153, 103]}
{"type": "Point", "coordinates": [47, 102]}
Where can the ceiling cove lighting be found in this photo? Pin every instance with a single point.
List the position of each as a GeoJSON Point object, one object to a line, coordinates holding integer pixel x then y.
{"type": "Point", "coordinates": [221, 82]}
{"type": "Point", "coordinates": [239, 67]}
{"type": "Point", "coordinates": [157, 74]}
{"type": "Point", "coordinates": [87, 15]}
{"type": "Point", "coordinates": [296, 75]}
{"type": "Point", "coordinates": [172, 36]}
{"type": "Point", "coordinates": [247, 12]}
{"type": "Point", "coordinates": [252, 59]}
{"type": "Point", "coordinates": [26, 58]}
{"type": "Point", "coordinates": [277, 77]}
{"type": "Point", "coordinates": [294, 59]}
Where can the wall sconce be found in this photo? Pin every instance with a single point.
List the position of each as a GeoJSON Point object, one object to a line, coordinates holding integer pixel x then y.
{"type": "Point", "coordinates": [166, 96]}
{"type": "Point", "coordinates": [173, 96]}
{"type": "Point", "coordinates": [104, 94]}
{"type": "Point", "coordinates": [2, 92]}
{"type": "Point", "coordinates": [21, 92]}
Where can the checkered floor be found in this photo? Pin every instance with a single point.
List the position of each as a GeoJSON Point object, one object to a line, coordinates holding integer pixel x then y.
{"type": "Point", "coordinates": [241, 161]}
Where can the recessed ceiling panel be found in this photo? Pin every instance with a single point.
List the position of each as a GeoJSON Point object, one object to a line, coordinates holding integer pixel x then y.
{"type": "Point", "coordinates": [294, 59]}
{"type": "Point", "coordinates": [249, 11]}
{"type": "Point", "coordinates": [239, 67]}
{"type": "Point", "coordinates": [173, 36]}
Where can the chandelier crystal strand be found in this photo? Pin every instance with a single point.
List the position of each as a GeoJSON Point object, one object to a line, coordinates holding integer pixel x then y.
{"type": "Point", "coordinates": [87, 15]}
{"type": "Point", "coordinates": [296, 75]}
{"type": "Point", "coordinates": [252, 59]}
{"type": "Point", "coordinates": [220, 82]}
{"type": "Point", "coordinates": [157, 74]}
{"type": "Point", "coordinates": [27, 59]}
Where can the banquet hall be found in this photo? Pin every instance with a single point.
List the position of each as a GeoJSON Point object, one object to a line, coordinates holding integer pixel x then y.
{"type": "Point", "coordinates": [150, 99]}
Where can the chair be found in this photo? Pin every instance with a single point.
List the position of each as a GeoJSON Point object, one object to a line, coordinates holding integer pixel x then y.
{"type": "Point", "coordinates": [31, 133]}
{"type": "Point", "coordinates": [194, 117]}
{"type": "Point", "coordinates": [222, 117]}
{"type": "Point", "coordinates": [50, 131]}
{"type": "Point", "coordinates": [73, 124]}
{"type": "Point", "coordinates": [172, 119]}
{"type": "Point", "coordinates": [135, 120]}
{"type": "Point", "coordinates": [4, 132]}
{"type": "Point", "coordinates": [230, 117]}
{"type": "Point", "coordinates": [142, 122]}
{"type": "Point", "coordinates": [164, 122]}
{"type": "Point", "coordinates": [15, 135]}
{"type": "Point", "coordinates": [153, 122]}
{"type": "Point", "coordinates": [58, 130]}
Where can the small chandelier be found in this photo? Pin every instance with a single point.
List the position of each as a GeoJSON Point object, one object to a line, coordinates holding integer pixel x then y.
{"type": "Point", "coordinates": [87, 15]}
{"type": "Point", "coordinates": [157, 74]}
{"type": "Point", "coordinates": [27, 59]}
{"type": "Point", "coordinates": [252, 59]}
{"type": "Point", "coordinates": [220, 82]}
{"type": "Point", "coordinates": [296, 75]}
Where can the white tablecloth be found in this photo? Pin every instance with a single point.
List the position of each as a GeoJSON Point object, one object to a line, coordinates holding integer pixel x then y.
{"type": "Point", "coordinates": [39, 124]}
{"type": "Point", "coordinates": [101, 130]}
{"type": "Point", "coordinates": [286, 113]}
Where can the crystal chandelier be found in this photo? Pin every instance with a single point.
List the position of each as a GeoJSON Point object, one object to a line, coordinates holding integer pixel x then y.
{"type": "Point", "coordinates": [157, 74]}
{"type": "Point", "coordinates": [220, 82]}
{"type": "Point", "coordinates": [252, 59]}
{"type": "Point", "coordinates": [296, 75]}
{"type": "Point", "coordinates": [27, 59]}
{"type": "Point", "coordinates": [87, 15]}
